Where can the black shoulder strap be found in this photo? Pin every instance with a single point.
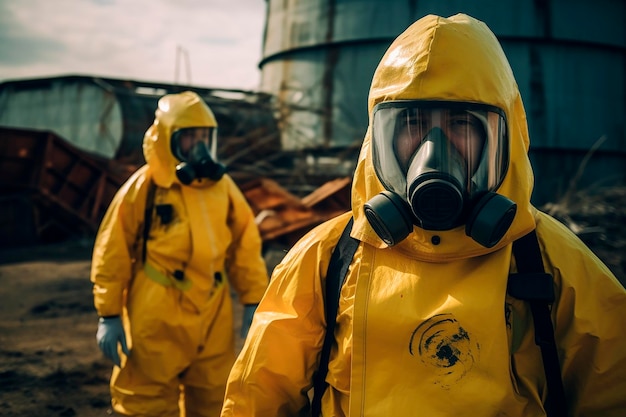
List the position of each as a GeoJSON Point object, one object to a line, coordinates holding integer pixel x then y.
{"type": "Point", "coordinates": [147, 218]}
{"type": "Point", "coordinates": [533, 285]}
{"type": "Point", "coordinates": [337, 270]}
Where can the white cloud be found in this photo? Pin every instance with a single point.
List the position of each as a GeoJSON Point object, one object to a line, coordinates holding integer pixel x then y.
{"type": "Point", "coordinates": [135, 39]}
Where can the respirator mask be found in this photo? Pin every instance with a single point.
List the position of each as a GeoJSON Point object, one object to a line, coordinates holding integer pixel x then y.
{"type": "Point", "coordinates": [440, 163]}
{"type": "Point", "coordinates": [195, 147]}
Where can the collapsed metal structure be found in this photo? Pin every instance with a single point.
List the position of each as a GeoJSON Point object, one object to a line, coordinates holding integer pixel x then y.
{"type": "Point", "coordinates": [68, 143]}
{"type": "Point", "coordinates": [50, 190]}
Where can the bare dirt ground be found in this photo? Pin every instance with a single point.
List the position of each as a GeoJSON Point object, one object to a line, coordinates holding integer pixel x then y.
{"type": "Point", "coordinates": [50, 364]}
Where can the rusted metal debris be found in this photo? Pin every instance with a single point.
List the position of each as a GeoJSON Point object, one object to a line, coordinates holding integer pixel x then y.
{"type": "Point", "coordinates": [51, 190]}
{"type": "Point", "coordinates": [284, 217]}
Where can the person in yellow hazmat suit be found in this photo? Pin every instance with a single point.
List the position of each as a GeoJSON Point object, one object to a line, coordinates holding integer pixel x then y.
{"type": "Point", "coordinates": [424, 325]}
{"type": "Point", "coordinates": [176, 235]}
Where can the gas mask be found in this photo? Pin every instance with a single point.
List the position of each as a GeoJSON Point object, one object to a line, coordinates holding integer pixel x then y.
{"type": "Point", "coordinates": [440, 164]}
{"type": "Point", "coordinates": [191, 147]}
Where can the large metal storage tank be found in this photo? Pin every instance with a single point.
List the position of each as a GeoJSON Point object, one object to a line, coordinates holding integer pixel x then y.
{"type": "Point", "coordinates": [569, 58]}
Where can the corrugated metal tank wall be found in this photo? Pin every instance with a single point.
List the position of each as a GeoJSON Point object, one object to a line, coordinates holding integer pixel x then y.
{"type": "Point", "coordinates": [87, 116]}
{"type": "Point", "coordinates": [569, 58]}
{"type": "Point", "coordinates": [89, 112]}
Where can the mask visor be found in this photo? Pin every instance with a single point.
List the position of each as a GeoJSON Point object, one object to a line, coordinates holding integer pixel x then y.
{"type": "Point", "coordinates": [185, 139]}
{"type": "Point", "coordinates": [476, 143]}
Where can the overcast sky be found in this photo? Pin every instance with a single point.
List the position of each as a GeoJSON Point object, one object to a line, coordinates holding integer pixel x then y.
{"type": "Point", "coordinates": [216, 43]}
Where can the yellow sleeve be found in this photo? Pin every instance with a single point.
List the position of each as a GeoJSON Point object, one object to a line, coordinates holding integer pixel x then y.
{"type": "Point", "coordinates": [274, 370]}
{"type": "Point", "coordinates": [589, 323]}
{"type": "Point", "coordinates": [116, 245]}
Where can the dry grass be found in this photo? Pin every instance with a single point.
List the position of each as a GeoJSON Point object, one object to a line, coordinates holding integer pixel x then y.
{"type": "Point", "coordinates": [598, 216]}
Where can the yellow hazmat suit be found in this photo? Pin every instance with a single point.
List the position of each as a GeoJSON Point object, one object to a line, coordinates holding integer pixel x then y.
{"type": "Point", "coordinates": [426, 328]}
{"type": "Point", "coordinates": [177, 304]}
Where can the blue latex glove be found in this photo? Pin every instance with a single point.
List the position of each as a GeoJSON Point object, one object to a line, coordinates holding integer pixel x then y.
{"type": "Point", "coordinates": [110, 333]}
{"type": "Point", "coordinates": [248, 314]}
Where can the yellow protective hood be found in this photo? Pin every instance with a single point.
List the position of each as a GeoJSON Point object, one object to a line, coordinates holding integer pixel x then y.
{"type": "Point", "coordinates": [174, 111]}
{"type": "Point", "coordinates": [454, 59]}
